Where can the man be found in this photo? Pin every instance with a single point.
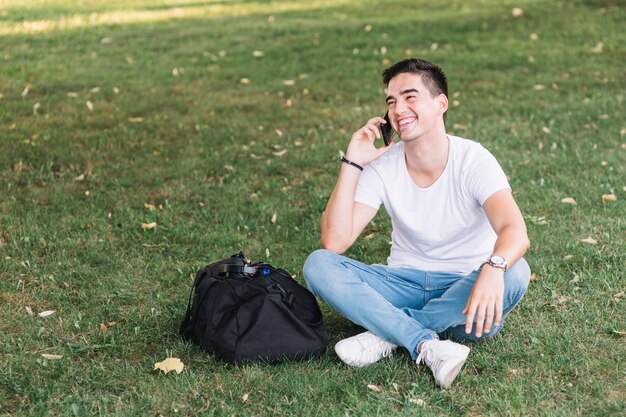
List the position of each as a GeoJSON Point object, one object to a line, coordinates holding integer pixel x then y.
{"type": "Point", "coordinates": [455, 268]}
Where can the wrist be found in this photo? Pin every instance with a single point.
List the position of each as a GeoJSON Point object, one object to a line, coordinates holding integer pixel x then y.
{"type": "Point", "coordinates": [351, 163]}
{"type": "Point", "coordinates": [489, 267]}
{"type": "Point", "coordinates": [496, 261]}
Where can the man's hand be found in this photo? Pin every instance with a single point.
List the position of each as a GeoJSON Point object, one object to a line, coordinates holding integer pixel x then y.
{"type": "Point", "coordinates": [361, 148]}
{"type": "Point", "coordinates": [485, 301]}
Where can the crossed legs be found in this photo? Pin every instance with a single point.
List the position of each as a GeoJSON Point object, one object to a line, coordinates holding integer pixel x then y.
{"type": "Point", "coordinates": [404, 306]}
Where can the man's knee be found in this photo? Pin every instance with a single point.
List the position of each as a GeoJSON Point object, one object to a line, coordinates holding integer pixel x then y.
{"type": "Point", "coordinates": [516, 280]}
{"type": "Point", "coordinates": [316, 266]}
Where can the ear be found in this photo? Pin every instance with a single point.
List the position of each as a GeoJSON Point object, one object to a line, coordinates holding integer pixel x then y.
{"type": "Point", "coordinates": [442, 100]}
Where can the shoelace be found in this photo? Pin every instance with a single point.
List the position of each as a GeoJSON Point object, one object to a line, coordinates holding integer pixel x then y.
{"type": "Point", "coordinates": [382, 346]}
{"type": "Point", "coordinates": [427, 356]}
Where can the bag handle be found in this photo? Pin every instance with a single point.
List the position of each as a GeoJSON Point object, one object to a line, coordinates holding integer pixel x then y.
{"type": "Point", "coordinates": [228, 269]}
{"type": "Point", "coordinates": [288, 296]}
{"type": "Point", "coordinates": [188, 317]}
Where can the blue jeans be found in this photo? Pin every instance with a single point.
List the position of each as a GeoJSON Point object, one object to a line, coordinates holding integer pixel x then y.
{"type": "Point", "coordinates": [404, 306]}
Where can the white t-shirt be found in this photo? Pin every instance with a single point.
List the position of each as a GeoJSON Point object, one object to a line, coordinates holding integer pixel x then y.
{"type": "Point", "coordinates": [442, 227]}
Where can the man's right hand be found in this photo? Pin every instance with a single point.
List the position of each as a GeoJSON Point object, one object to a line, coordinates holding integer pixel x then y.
{"type": "Point", "coordinates": [361, 148]}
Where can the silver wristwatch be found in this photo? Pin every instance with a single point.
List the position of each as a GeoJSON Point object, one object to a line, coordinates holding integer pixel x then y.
{"type": "Point", "coordinates": [498, 262]}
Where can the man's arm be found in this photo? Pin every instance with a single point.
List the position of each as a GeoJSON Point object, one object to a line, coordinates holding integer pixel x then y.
{"type": "Point", "coordinates": [486, 299]}
{"type": "Point", "coordinates": [344, 219]}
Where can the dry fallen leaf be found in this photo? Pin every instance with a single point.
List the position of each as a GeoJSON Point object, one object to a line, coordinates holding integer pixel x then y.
{"type": "Point", "coordinates": [517, 12]}
{"type": "Point", "coordinates": [568, 200]}
{"type": "Point", "coordinates": [36, 109]}
{"type": "Point", "coordinates": [170, 364]}
{"type": "Point", "coordinates": [533, 37]}
{"type": "Point", "coordinates": [81, 177]}
{"type": "Point", "coordinates": [89, 105]}
{"type": "Point", "coordinates": [608, 197]}
{"type": "Point", "coordinates": [417, 401]}
{"type": "Point", "coordinates": [274, 218]}
{"type": "Point", "coordinates": [149, 206]}
{"type": "Point", "coordinates": [280, 153]}
{"type": "Point", "coordinates": [244, 398]}
{"type": "Point", "coordinates": [371, 235]}
{"type": "Point", "coordinates": [374, 388]}
{"type": "Point", "coordinates": [28, 310]}
{"type": "Point", "coordinates": [289, 82]}
{"type": "Point", "coordinates": [26, 90]}
{"type": "Point", "coordinates": [258, 54]}
{"type": "Point", "coordinates": [50, 356]}
{"type": "Point", "coordinates": [148, 226]}
{"type": "Point", "coordinates": [533, 277]}
{"type": "Point", "coordinates": [135, 119]}
{"type": "Point", "coordinates": [244, 81]}
{"type": "Point", "coordinates": [589, 240]}
{"type": "Point", "coordinates": [47, 313]}
{"type": "Point", "coordinates": [598, 48]}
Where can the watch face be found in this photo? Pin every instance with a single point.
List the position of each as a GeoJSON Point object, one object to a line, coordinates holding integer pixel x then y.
{"type": "Point", "coordinates": [498, 260]}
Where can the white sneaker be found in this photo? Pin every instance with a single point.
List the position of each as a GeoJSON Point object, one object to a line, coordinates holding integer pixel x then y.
{"type": "Point", "coordinates": [444, 358]}
{"type": "Point", "coordinates": [363, 349]}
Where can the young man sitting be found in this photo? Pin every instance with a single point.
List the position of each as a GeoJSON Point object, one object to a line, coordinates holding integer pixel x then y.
{"type": "Point", "coordinates": [455, 268]}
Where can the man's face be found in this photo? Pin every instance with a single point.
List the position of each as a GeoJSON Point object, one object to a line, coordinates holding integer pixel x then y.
{"type": "Point", "coordinates": [413, 110]}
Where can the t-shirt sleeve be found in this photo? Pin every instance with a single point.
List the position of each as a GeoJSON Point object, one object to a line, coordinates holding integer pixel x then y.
{"type": "Point", "coordinates": [485, 177]}
{"type": "Point", "coordinates": [369, 189]}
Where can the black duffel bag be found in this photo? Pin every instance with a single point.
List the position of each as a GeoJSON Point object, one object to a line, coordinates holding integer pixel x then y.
{"type": "Point", "coordinates": [246, 312]}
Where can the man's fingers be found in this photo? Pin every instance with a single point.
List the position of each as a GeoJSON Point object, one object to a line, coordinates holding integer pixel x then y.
{"type": "Point", "coordinates": [376, 121]}
{"type": "Point", "coordinates": [480, 319]}
{"type": "Point", "coordinates": [367, 133]}
{"type": "Point", "coordinates": [470, 311]}
{"type": "Point", "coordinates": [498, 313]}
{"type": "Point", "coordinates": [489, 318]}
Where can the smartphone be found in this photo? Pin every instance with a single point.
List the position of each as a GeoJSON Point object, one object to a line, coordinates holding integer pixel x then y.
{"type": "Point", "coordinates": [386, 130]}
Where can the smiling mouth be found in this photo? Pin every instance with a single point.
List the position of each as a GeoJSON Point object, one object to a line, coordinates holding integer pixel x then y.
{"type": "Point", "coordinates": [405, 122]}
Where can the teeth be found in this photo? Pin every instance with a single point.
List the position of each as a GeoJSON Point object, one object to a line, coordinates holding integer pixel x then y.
{"type": "Point", "coordinates": [405, 122]}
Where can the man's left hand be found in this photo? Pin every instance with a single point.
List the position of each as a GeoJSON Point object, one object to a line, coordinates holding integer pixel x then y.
{"type": "Point", "coordinates": [485, 301]}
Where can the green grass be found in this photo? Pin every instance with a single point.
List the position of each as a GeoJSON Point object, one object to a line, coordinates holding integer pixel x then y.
{"type": "Point", "coordinates": [204, 149]}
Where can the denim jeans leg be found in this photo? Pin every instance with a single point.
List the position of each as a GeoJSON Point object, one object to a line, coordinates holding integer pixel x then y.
{"type": "Point", "coordinates": [364, 295]}
{"type": "Point", "coordinates": [444, 315]}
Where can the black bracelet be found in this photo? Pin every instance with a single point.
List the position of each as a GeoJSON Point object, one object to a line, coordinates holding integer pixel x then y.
{"type": "Point", "coordinates": [354, 164]}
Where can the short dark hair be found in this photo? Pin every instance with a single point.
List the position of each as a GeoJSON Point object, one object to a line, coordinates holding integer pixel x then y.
{"type": "Point", "coordinates": [433, 77]}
